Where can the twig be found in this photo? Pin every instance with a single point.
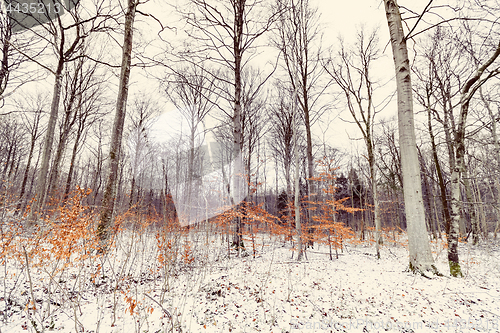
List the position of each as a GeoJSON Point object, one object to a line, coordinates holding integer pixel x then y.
{"type": "Point", "coordinates": [164, 310]}
{"type": "Point", "coordinates": [77, 322]}
{"type": "Point", "coordinates": [29, 277]}
{"type": "Point", "coordinates": [161, 306]}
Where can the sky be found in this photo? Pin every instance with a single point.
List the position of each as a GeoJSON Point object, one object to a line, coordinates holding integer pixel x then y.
{"type": "Point", "coordinates": [336, 19]}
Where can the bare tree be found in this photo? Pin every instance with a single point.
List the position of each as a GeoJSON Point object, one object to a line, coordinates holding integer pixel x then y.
{"type": "Point", "coordinates": [192, 90]}
{"type": "Point", "coordinates": [89, 109]}
{"type": "Point", "coordinates": [418, 240]}
{"type": "Point", "coordinates": [224, 32]}
{"type": "Point", "coordinates": [389, 165]}
{"type": "Point", "coordinates": [109, 198]}
{"type": "Point", "coordinates": [13, 70]}
{"type": "Point", "coordinates": [142, 113]}
{"type": "Point", "coordinates": [5, 38]}
{"type": "Point", "coordinates": [77, 82]}
{"type": "Point", "coordinates": [438, 87]}
{"type": "Point", "coordinates": [298, 38]}
{"type": "Point", "coordinates": [254, 117]}
{"type": "Point", "coordinates": [483, 73]}
{"type": "Point", "coordinates": [493, 118]}
{"type": "Point", "coordinates": [352, 73]}
{"type": "Point", "coordinates": [32, 108]}
{"type": "Point", "coordinates": [281, 132]}
{"type": "Point", "coordinates": [66, 39]}
{"type": "Point", "coordinates": [12, 136]}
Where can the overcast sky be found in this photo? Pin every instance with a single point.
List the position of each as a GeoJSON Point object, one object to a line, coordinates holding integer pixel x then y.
{"type": "Point", "coordinates": [337, 19]}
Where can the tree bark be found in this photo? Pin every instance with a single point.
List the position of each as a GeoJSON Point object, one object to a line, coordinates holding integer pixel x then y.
{"type": "Point", "coordinates": [109, 198]}
{"type": "Point", "coordinates": [298, 224]}
{"type": "Point", "coordinates": [468, 91]}
{"type": "Point", "coordinates": [41, 188]}
{"type": "Point", "coordinates": [239, 12]}
{"type": "Point", "coordinates": [72, 161]}
{"type": "Point", "coordinates": [421, 260]}
{"type": "Point", "coordinates": [67, 123]}
{"type": "Point", "coordinates": [496, 148]}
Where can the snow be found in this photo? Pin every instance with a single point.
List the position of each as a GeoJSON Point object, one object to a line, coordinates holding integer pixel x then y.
{"type": "Point", "coordinates": [200, 289]}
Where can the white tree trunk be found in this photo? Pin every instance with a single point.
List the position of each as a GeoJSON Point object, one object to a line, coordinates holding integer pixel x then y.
{"type": "Point", "coordinates": [418, 240]}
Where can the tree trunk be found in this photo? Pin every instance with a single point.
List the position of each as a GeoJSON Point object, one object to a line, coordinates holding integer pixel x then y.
{"type": "Point", "coordinates": [41, 187]}
{"type": "Point", "coordinates": [72, 162]}
{"type": "Point", "coordinates": [116, 138]}
{"type": "Point", "coordinates": [470, 87]}
{"type": "Point", "coordinates": [442, 186]}
{"type": "Point", "coordinates": [61, 146]}
{"type": "Point", "coordinates": [418, 240]}
{"type": "Point", "coordinates": [298, 224]}
{"type": "Point", "coordinates": [472, 207]}
{"type": "Point", "coordinates": [373, 183]}
{"type": "Point", "coordinates": [239, 11]}
{"type": "Point", "coordinates": [496, 146]}
{"type": "Point", "coordinates": [428, 193]}
{"type": "Point", "coordinates": [26, 174]}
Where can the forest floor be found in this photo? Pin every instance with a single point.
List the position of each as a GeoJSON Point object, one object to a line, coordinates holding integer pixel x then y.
{"type": "Point", "coordinates": [150, 283]}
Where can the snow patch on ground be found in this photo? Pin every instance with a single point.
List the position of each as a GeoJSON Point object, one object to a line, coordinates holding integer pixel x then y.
{"type": "Point", "coordinates": [199, 289]}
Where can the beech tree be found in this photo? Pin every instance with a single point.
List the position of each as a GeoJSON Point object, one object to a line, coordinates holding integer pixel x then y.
{"type": "Point", "coordinates": [32, 108]}
{"type": "Point", "coordinates": [472, 85]}
{"type": "Point", "coordinates": [352, 74]}
{"type": "Point", "coordinates": [109, 197]}
{"type": "Point", "coordinates": [418, 240]}
{"type": "Point", "coordinates": [298, 38]}
{"type": "Point", "coordinates": [281, 137]}
{"type": "Point", "coordinates": [448, 60]}
{"type": "Point", "coordinates": [66, 39]}
{"type": "Point", "coordinates": [437, 89]}
{"type": "Point", "coordinates": [224, 33]}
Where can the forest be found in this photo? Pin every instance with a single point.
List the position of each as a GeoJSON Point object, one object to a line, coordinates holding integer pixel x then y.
{"type": "Point", "coordinates": [242, 165]}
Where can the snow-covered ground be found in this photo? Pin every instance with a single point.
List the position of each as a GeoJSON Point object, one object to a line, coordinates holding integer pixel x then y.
{"type": "Point", "coordinates": [195, 287]}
